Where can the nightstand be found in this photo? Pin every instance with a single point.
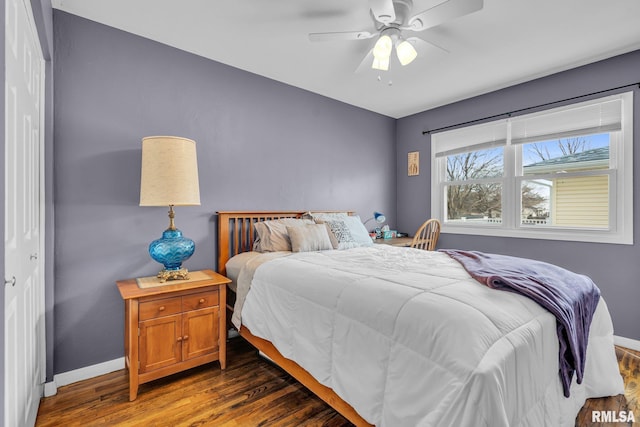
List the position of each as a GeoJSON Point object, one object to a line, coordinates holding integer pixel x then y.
{"type": "Point", "coordinates": [173, 326]}
{"type": "Point", "coordinates": [396, 241]}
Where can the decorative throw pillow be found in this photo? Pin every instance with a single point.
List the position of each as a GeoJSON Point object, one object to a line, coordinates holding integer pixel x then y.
{"type": "Point", "coordinates": [309, 238]}
{"type": "Point", "coordinates": [342, 238]}
{"type": "Point", "coordinates": [272, 236]}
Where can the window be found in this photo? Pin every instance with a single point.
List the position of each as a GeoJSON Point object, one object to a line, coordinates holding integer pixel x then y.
{"type": "Point", "coordinates": [563, 174]}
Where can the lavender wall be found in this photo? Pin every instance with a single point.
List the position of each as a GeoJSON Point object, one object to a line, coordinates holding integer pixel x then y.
{"type": "Point", "coordinates": [615, 268]}
{"type": "Point", "coordinates": [261, 145]}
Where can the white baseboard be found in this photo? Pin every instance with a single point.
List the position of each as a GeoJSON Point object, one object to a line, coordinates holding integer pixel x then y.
{"type": "Point", "coordinates": [626, 342]}
{"type": "Point", "coordinates": [50, 388]}
{"type": "Point", "coordinates": [81, 374]}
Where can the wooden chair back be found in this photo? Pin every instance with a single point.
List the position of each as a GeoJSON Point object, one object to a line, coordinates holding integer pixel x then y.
{"type": "Point", "coordinates": [427, 235]}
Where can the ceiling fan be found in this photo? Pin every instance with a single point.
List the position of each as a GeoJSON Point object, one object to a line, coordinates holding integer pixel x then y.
{"type": "Point", "coordinates": [392, 18]}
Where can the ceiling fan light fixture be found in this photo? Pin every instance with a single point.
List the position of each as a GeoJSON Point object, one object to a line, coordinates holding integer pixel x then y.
{"type": "Point", "coordinates": [380, 64]}
{"type": "Point", "coordinates": [383, 47]}
{"type": "Point", "coordinates": [406, 52]}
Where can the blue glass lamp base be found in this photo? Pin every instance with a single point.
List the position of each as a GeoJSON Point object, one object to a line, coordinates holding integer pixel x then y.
{"type": "Point", "coordinates": [171, 250]}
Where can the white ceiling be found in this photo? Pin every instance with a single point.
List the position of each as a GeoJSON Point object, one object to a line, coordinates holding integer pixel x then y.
{"type": "Point", "coordinates": [505, 43]}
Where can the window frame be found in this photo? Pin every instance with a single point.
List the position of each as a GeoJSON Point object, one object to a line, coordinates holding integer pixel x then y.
{"type": "Point", "coordinates": [620, 229]}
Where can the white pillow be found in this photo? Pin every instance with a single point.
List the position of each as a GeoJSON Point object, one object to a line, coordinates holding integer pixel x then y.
{"type": "Point", "coordinates": [347, 232]}
{"type": "Point", "coordinates": [358, 230]}
{"type": "Point", "coordinates": [309, 238]}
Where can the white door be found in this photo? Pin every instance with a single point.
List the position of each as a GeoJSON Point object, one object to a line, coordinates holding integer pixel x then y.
{"type": "Point", "coordinates": [24, 368]}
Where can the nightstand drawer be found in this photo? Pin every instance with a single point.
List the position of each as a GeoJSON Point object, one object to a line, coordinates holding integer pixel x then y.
{"type": "Point", "coordinates": [159, 308]}
{"type": "Point", "coordinates": [200, 300]}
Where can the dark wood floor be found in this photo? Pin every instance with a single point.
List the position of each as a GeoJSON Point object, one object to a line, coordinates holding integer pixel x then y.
{"type": "Point", "coordinates": [250, 392]}
{"type": "Point", "coordinates": [629, 363]}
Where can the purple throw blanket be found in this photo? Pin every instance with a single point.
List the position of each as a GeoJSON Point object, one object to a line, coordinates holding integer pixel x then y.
{"type": "Point", "coordinates": [572, 298]}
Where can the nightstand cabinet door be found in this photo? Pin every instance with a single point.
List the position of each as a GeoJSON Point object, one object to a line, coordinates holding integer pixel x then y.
{"type": "Point", "coordinates": [200, 333]}
{"type": "Point", "coordinates": [160, 342]}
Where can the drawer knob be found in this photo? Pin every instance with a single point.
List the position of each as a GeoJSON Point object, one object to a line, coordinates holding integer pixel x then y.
{"type": "Point", "coordinates": [186, 337]}
{"type": "Point", "coordinates": [201, 301]}
{"type": "Point", "coordinates": [179, 339]}
{"type": "Point", "coordinates": [162, 308]}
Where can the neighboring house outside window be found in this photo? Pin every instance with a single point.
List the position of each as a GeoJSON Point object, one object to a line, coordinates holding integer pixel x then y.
{"type": "Point", "coordinates": [582, 201]}
{"type": "Point", "coordinates": [562, 174]}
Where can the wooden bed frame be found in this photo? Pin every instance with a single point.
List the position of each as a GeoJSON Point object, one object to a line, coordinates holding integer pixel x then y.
{"type": "Point", "coordinates": [236, 233]}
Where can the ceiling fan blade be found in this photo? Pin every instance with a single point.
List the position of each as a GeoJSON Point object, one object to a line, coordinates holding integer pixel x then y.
{"type": "Point", "coordinates": [345, 35]}
{"type": "Point", "coordinates": [383, 11]}
{"type": "Point", "coordinates": [443, 12]}
{"type": "Point", "coordinates": [422, 45]}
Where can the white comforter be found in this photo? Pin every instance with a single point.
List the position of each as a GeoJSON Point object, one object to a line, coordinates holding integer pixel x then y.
{"type": "Point", "coordinates": [408, 338]}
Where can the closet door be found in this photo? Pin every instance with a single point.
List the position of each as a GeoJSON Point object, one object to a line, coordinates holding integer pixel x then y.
{"type": "Point", "coordinates": [24, 369]}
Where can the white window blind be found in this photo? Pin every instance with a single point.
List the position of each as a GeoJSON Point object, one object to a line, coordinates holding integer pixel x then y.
{"type": "Point", "coordinates": [587, 118]}
{"type": "Point", "coordinates": [472, 138]}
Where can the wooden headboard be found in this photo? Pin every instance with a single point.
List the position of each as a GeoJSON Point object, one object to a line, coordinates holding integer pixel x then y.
{"type": "Point", "coordinates": [236, 231]}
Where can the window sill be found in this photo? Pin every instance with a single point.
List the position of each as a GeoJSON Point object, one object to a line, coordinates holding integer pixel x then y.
{"type": "Point", "coordinates": [595, 236]}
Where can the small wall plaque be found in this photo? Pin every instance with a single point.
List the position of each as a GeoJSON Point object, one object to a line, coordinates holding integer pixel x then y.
{"type": "Point", "coordinates": [413, 163]}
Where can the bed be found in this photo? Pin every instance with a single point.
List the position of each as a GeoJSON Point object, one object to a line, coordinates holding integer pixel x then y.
{"type": "Point", "coordinates": [410, 338]}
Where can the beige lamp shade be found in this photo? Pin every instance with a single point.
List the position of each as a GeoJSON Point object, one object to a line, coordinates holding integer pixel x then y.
{"type": "Point", "coordinates": [169, 172]}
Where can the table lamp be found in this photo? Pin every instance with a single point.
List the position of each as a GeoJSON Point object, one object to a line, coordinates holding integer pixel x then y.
{"type": "Point", "coordinates": [169, 177]}
{"type": "Point", "coordinates": [379, 217]}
